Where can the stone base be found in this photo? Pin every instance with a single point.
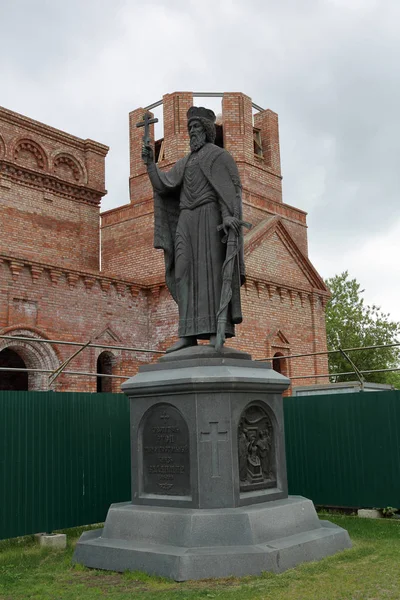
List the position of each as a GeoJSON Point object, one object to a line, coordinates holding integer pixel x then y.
{"type": "Point", "coordinates": [203, 351]}
{"type": "Point", "coordinates": [53, 540]}
{"type": "Point", "coordinates": [185, 544]}
{"type": "Point", "coordinates": [369, 513]}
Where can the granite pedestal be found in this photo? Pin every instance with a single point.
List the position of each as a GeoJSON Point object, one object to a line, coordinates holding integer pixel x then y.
{"type": "Point", "coordinates": [209, 487]}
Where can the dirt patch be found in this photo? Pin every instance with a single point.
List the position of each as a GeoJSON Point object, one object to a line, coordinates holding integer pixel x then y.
{"type": "Point", "coordinates": [107, 580]}
{"type": "Point", "coordinates": [113, 580]}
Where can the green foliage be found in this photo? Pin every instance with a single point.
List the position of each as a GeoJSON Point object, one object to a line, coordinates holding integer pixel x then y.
{"type": "Point", "coordinates": [389, 511]}
{"type": "Point", "coordinates": [351, 323]}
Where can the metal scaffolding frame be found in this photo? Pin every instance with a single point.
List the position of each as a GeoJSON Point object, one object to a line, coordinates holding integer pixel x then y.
{"type": "Point", "coordinates": [201, 95]}
{"type": "Point", "coordinates": [53, 374]}
{"type": "Point", "coordinates": [88, 345]}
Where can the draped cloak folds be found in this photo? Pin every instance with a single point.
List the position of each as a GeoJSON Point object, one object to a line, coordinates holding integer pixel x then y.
{"type": "Point", "coordinates": [221, 172]}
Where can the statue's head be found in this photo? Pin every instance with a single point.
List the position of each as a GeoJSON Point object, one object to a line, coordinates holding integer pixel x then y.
{"type": "Point", "coordinates": [201, 126]}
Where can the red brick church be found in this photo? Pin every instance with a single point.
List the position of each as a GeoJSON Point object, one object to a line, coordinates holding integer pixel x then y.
{"type": "Point", "coordinates": [51, 284]}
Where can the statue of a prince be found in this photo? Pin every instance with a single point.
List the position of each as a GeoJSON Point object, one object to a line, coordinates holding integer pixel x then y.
{"type": "Point", "coordinates": [197, 208]}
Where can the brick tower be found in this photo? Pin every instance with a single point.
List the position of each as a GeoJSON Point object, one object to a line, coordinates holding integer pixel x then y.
{"type": "Point", "coordinates": [284, 297]}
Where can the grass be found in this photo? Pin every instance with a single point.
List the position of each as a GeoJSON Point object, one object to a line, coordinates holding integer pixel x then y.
{"type": "Point", "coordinates": [369, 571]}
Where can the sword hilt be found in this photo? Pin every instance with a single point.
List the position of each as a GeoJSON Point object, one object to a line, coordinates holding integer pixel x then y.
{"type": "Point", "coordinates": [242, 224]}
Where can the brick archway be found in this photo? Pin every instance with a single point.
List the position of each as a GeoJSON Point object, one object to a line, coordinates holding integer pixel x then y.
{"type": "Point", "coordinates": [34, 355]}
{"type": "Point", "coordinates": [104, 366]}
{"type": "Point", "coordinates": [12, 380]}
{"type": "Point", "coordinates": [279, 363]}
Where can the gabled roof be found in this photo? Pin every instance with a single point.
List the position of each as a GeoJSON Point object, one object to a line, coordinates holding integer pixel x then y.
{"type": "Point", "coordinates": [274, 225]}
{"type": "Point", "coordinates": [108, 335]}
{"type": "Point", "coordinates": [276, 337]}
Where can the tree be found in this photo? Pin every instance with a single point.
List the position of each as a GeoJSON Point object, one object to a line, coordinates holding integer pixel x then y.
{"type": "Point", "coordinates": [351, 323]}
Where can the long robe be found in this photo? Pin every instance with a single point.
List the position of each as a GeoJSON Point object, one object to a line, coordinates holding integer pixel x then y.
{"type": "Point", "coordinates": [190, 202]}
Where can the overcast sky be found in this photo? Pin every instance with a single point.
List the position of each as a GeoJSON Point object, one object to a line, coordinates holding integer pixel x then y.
{"type": "Point", "coordinates": [329, 68]}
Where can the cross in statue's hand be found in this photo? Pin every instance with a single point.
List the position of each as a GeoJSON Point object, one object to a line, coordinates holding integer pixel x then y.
{"type": "Point", "coordinates": [147, 151]}
{"type": "Point", "coordinates": [146, 122]}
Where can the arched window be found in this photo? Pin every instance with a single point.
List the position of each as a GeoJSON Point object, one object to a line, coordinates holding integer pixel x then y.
{"type": "Point", "coordinates": [13, 380]}
{"type": "Point", "coordinates": [105, 363]}
{"type": "Point", "coordinates": [279, 364]}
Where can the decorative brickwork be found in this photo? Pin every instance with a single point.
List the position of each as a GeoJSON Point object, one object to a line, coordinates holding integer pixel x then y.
{"type": "Point", "coordinates": [51, 287]}
{"type": "Point", "coordinates": [2, 147]}
{"type": "Point", "coordinates": [31, 154]}
{"type": "Point", "coordinates": [67, 167]}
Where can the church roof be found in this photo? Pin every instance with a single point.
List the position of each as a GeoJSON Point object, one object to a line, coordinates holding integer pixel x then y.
{"type": "Point", "coordinates": [304, 270]}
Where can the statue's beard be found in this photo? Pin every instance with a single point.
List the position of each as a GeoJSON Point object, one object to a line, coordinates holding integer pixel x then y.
{"type": "Point", "coordinates": [197, 141]}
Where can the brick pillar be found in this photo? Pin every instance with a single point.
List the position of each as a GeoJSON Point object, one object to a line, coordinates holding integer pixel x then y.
{"type": "Point", "coordinates": [237, 121]}
{"type": "Point", "coordinates": [321, 363]}
{"type": "Point", "coordinates": [95, 164]}
{"type": "Point", "coordinates": [176, 138]}
{"type": "Point", "coordinates": [139, 184]}
{"type": "Point", "coordinates": [267, 122]}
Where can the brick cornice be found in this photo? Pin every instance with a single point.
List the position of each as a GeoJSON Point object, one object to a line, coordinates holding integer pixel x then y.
{"type": "Point", "coordinates": [280, 208]}
{"type": "Point", "coordinates": [126, 212]}
{"type": "Point", "coordinates": [50, 183]}
{"type": "Point", "coordinates": [259, 164]}
{"type": "Point", "coordinates": [73, 275]}
{"type": "Point", "coordinates": [274, 286]}
{"type": "Point", "coordinates": [52, 133]}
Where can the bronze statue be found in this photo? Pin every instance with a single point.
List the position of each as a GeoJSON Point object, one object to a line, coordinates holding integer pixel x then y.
{"type": "Point", "coordinates": [198, 223]}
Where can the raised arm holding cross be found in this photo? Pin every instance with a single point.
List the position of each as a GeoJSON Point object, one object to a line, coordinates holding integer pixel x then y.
{"type": "Point", "coordinates": [147, 150]}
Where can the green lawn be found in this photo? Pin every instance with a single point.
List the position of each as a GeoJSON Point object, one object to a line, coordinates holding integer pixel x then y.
{"type": "Point", "coordinates": [369, 571]}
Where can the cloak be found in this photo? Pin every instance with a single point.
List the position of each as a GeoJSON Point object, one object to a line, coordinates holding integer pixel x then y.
{"type": "Point", "coordinates": [221, 171]}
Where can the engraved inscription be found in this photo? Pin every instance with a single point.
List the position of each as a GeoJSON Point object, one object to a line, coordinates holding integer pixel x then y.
{"type": "Point", "coordinates": [256, 447]}
{"type": "Point", "coordinates": [165, 452]}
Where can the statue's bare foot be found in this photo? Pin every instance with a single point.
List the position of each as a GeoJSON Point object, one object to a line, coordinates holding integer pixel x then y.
{"type": "Point", "coordinates": [183, 342]}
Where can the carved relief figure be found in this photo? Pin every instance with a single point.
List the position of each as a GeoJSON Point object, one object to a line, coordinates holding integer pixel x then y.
{"type": "Point", "coordinates": [264, 445]}
{"type": "Point", "coordinates": [256, 450]}
{"type": "Point", "coordinates": [254, 472]}
{"type": "Point", "coordinates": [243, 443]}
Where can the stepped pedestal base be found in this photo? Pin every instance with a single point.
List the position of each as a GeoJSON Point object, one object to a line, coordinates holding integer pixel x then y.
{"type": "Point", "coordinates": [185, 544]}
{"type": "Point", "coordinates": [209, 487]}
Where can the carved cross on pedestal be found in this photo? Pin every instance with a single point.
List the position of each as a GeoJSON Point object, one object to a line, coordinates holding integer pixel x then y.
{"type": "Point", "coordinates": [164, 416]}
{"type": "Point", "coordinates": [214, 437]}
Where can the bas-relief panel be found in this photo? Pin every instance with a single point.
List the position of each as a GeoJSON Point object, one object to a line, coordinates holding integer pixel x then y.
{"type": "Point", "coordinates": [256, 446]}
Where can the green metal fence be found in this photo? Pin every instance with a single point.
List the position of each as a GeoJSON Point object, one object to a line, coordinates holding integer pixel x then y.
{"type": "Point", "coordinates": [344, 449]}
{"type": "Point", "coordinates": [65, 457]}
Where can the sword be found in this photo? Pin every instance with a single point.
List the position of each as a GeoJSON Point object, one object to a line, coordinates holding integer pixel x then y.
{"type": "Point", "coordinates": [232, 250]}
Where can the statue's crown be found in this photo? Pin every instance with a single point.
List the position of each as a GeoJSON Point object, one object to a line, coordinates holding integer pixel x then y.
{"type": "Point", "coordinates": [199, 112]}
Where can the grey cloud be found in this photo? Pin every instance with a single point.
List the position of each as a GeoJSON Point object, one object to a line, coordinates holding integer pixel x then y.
{"type": "Point", "coordinates": [328, 67]}
{"type": "Point", "coordinates": [38, 37]}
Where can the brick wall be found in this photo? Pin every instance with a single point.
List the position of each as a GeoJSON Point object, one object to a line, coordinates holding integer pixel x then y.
{"type": "Point", "coordinates": [51, 184]}
{"type": "Point", "coordinates": [73, 306]}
